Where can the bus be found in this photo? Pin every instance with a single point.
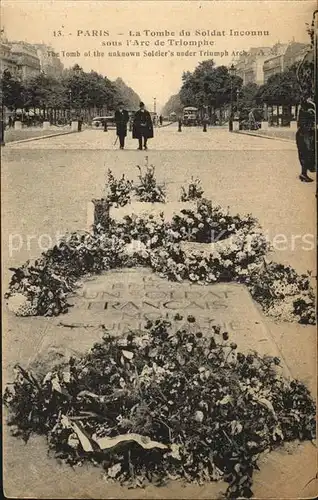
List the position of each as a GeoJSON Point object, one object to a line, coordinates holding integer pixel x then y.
{"type": "Point", "coordinates": [190, 116]}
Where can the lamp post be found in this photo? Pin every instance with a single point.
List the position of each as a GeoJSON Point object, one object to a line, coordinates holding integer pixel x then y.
{"type": "Point", "coordinates": [205, 118]}
{"type": "Point", "coordinates": [70, 102]}
{"type": "Point", "coordinates": [155, 105]}
{"type": "Point", "coordinates": [237, 98]}
{"type": "Point", "coordinates": [232, 72]}
{"type": "Point", "coordinates": [77, 72]}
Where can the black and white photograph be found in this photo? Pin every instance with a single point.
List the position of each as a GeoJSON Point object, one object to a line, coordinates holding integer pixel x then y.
{"type": "Point", "coordinates": [159, 278]}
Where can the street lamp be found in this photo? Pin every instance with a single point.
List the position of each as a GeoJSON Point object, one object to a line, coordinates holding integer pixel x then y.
{"type": "Point", "coordinates": [77, 71]}
{"type": "Point", "coordinates": [70, 98]}
{"type": "Point", "coordinates": [154, 105]}
{"type": "Point", "coordinates": [237, 98]}
{"type": "Point", "coordinates": [232, 72]}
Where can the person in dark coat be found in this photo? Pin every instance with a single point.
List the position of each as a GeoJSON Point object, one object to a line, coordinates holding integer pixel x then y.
{"type": "Point", "coordinates": [142, 126]}
{"type": "Point", "coordinates": [305, 140]}
{"type": "Point", "coordinates": [121, 119]}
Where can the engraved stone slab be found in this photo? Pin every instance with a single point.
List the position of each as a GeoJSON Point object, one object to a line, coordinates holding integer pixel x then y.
{"type": "Point", "coordinates": [123, 300]}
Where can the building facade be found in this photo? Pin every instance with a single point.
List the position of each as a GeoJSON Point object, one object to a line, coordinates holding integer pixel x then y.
{"type": "Point", "coordinates": [259, 63]}
{"type": "Point", "coordinates": [26, 58]}
{"type": "Point", "coordinates": [295, 52]}
{"type": "Point", "coordinates": [7, 61]}
{"type": "Point", "coordinates": [50, 65]}
{"type": "Point", "coordinates": [249, 66]}
{"type": "Point", "coordinates": [275, 63]}
{"type": "Point", "coordinates": [284, 56]}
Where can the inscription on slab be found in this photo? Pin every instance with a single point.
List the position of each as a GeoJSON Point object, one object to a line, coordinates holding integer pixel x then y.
{"type": "Point", "coordinates": [124, 300]}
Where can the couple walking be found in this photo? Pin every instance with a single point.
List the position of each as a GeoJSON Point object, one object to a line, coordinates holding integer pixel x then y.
{"type": "Point", "coordinates": [142, 125]}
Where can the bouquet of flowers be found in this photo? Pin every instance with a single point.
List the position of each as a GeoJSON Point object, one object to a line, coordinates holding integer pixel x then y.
{"type": "Point", "coordinates": [148, 190]}
{"type": "Point", "coordinates": [118, 191]}
{"type": "Point", "coordinates": [193, 191]}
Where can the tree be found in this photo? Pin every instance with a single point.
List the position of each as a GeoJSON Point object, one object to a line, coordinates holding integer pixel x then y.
{"type": "Point", "coordinates": [42, 91]}
{"type": "Point", "coordinates": [248, 96]}
{"type": "Point", "coordinates": [305, 75]}
{"type": "Point", "coordinates": [281, 89]}
{"type": "Point", "coordinates": [12, 91]}
{"type": "Point", "coordinates": [77, 89]}
{"type": "Point", "coordinates": [208, 85]}
{"type": "Point", "coordinates": [173, 105]}
{"type": "Point", "coordinates": [187, 91]}
{"type": "Point", "coordinates": [88, 90]}
{"type": "Point", "coordinates": [126, 94]}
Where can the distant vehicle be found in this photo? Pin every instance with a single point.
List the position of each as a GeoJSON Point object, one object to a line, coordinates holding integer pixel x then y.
{"type": "Point", "coordinates": [190, 116]}
{"type": "Point", "coordinates": [173, 117]}
{"type": "Point", "coordinates": [99, 121]}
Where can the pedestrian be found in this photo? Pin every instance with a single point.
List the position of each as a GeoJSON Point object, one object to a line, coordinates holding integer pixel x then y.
{"type": "Point", "coordinates": [121, 119]}
{"type": "Point", "coordinates": [142, 126]}
{"type": "Point", "coordinates": [160, 120]}
{"type": "Point", "coordinates": [80, 124]}
{"type": "Point", "coordinates": [305, 140]}
{"type": "Point", "coordinates": [205, 121]}
{"type": "Point", "coordinates": [251, 120]}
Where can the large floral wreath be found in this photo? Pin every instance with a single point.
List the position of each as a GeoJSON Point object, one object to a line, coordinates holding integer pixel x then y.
{"type": "Point", "coordinates": [203, 244]}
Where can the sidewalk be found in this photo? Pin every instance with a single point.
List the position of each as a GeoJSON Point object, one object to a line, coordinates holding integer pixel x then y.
{"type": "Point", "coordinates": [33, 133]}
{"type": "Point", "coordinates": [277, 133]}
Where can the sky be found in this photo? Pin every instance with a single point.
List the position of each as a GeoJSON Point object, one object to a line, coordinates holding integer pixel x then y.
{"type": "Point", "coordinates": [115, 22]}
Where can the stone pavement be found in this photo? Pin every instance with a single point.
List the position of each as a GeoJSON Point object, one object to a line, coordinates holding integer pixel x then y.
{"type": "Point", "coordinates": [165, 139]}
{"type": "Point", "coordinates": [47, 185]}
{"type": "Point", "coordinates": [284, 474]}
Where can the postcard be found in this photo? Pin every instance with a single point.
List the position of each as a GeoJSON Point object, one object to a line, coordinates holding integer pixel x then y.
{"type": "Point", "coordinates": [159, 173]}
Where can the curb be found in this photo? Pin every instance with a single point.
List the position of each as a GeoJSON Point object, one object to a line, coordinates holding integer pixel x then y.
{"type": "Point", "coordinates": [164, 125]}
{"type": "Point", "coordinates": [29, 139]}
{"type": "Point", "coordinates": [264, 136]}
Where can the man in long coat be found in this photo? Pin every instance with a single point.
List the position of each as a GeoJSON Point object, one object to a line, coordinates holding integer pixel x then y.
{"type": "Point", "coordinates": [121, 119]}
{"type": "Point", "coordinates": [305, 140]}
{"type": "Point", "coordinates": [142, 126]}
